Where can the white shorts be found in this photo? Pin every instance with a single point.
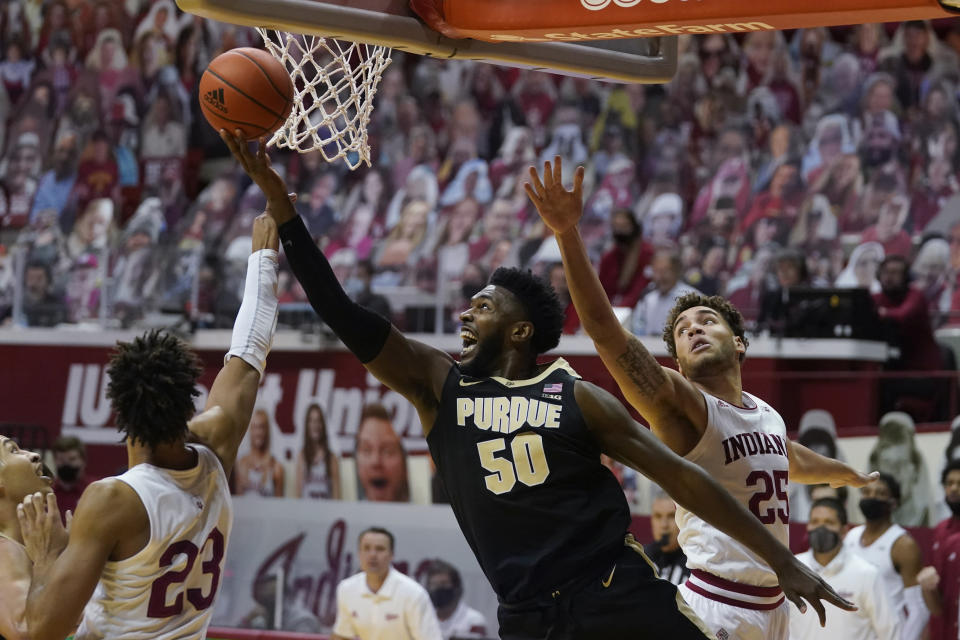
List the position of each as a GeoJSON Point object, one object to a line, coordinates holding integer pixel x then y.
{"type": "Point", "coordinates": [730, 622]}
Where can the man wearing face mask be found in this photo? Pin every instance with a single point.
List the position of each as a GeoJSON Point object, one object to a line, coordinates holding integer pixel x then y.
{"type": "Point", "coordinates": [894, 552]}
{"type": "Point", "coordinates": [665, 551]}
{"type": "Point", "coordinates": [942, 580]}
{"type": "Point", "coordinates": [622, 268]}
{"type": "Point", "coordinates": [457, 618]}
{"type": "Point", "coordinates": [70, 458]}
{"type": "Point", "coordinates": [853, 577]}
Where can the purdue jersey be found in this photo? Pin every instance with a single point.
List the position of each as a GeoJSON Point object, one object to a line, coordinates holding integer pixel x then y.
{"type": "Point", "coordinates": [166, 590]}
{"type": "Point", "coordinates": [745, 451]}
{"type": "Point", "coordinates": [524, 478]}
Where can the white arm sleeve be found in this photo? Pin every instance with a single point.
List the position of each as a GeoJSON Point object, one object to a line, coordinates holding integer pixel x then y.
{"type": "Point", "coordinates": [257, 318]}
{"type": "Point", "coordinates": [917, 613]}
{"type": "Point", "coordinates": [422, 619]}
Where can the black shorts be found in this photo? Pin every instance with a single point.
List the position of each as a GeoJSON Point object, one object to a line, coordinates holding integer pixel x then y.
{"type": "Point", "coordinates": [627, 601]}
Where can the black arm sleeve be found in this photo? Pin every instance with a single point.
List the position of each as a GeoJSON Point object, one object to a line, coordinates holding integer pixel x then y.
{"type": "Point", "coordinates": [361, 330]}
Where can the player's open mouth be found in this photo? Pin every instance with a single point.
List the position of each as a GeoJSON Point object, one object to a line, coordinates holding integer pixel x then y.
{"type": "Point", "coordinates": [44, 472]}
{"type": "Point", "coordinates": [469, 341]}
{"type": "Point", "coordinates": [699, 345]}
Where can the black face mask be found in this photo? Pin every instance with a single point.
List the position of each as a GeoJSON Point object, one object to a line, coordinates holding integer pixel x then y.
{"type": "Point", "coordinates": [67, 473]}
{"type": "Point", "coordinates": [623, 239]}
{"type": "Point", "coordinates": [954, 508]}
{"type": "Point", "coordinates": [823, 540]}
{"type": "Point", "coordinates": [874, 509]}
{"type": "Point", "coordinates": [443, 596]}
{"type": "Point", "coordinates": [663, 541]}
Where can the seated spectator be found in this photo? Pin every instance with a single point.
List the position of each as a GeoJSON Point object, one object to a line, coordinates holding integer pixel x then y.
{"type": "Point", "coordinates": [136, 268]}
{"type": "Point", "coordinates": [457, 618]}
{"type": "Point", "coordinates": [259, 472]}
{"type": "Point", "coordinates": [452, 248]}
{"type": "Point", "coordinates": [16, 69]}
{"type": "Point", "coordinates": [419, 184]}
{"type": "Point", "coordinates": [650, 314]}
{"type": "Point", "coordinates": [831, 141]}
{"type": "Point", "coordinates": [911, 65]}
{"type": "Point", "coordinates": [710, 277]}
{"type": "Point", "coordinates": [318, 470]}
{"type": "Point", "coordinates": [92, 230]}
{"type": "Point", "coordinates": [97, 174]}
{"type": "Point", "coordinates": [930, 272]}
{"type": "Point", "coordinates": [622, 268]}
{"type": "Point", "coordinates": [818, 432]}
{"type": "Point", "coordinates": [790, 267]}
{"type": "Point", "coordinates": [70, 460]}
{"type": "Point", "coordinates": [359, 232]}
{"type": "Point", "coordinates": [860, 582]}
{"type": "Point", "coordinates": [938, 183]}
{"type": "Point", "coordinates": [662, 221]}
{"type": "Point", "coordinates": [861, 269]}
{"type": "Point", "coordinates": [399, 249]}
{"type": "Point", "coordinates": [381, 458]}
{"type": "Point", "coordinates": [747, 287]}
{"type": "Point", "coordinates": [42, 307]}
{"type": "Point", "coordinates": [888, 230]}
{"type": "Point", "coordinates": [896, 453]}
{"type": "Point", "coordinates": [499, 223]}
{"type": "Point", "coordinates": [55, 185]}
{"type": "Point", "coordinates": [318, 207]}
{"type": "Point", "coordinates": [365, 296]}
{"type": "Point", "coordinates": [20, 179]}
{"type": "Point", "coordinates": [904, 312]}
{"type": "Point", "coordinates": [471, 181]}
{"type": "Point", "coordinates": [665, 551]}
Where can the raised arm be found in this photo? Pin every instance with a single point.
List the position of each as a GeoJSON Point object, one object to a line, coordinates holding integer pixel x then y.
{"type": "Point", "coordinates": [629, 442]}
{"type": "Point", "coordinates": [809, 467]}
{"type": "Point", "coordinates": [411, 368]}
{"type": "Point", "coordinates": [109, 512]}
{"type": "Point", "coordinates": [659, 393]}
{"type": "Point", "coordinates": [225, 418]}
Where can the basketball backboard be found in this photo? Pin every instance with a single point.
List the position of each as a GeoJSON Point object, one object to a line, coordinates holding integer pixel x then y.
{"type": "Point", "coordinates": [391, 23]}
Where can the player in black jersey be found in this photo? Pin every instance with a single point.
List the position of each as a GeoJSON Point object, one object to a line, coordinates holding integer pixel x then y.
{"type": "Point", "coordinates": [518, 446]}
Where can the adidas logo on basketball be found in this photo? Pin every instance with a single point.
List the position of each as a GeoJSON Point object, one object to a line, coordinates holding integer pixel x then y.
{"type": "Point", "coordinates": [214, 98]}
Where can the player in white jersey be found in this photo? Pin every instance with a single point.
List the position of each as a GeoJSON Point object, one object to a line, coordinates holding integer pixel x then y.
{"type": "Point", "coordinates": [893, 551]}
{"type": "Point", "coordinates": [146, 549]}
{"type": "Point", "coordinates": [702, 413]}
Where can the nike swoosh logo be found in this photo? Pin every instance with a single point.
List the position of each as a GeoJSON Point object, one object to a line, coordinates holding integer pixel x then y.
{"type": "Point", "coordinates": [463, 383]}
{"type": "Point", "coordinates": [606, 583]}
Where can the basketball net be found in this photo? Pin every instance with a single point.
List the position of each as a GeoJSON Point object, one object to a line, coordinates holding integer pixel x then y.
{"type": "Point", "coordinates": [333, 87]}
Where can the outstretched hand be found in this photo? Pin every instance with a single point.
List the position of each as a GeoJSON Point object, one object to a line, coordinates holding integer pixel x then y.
{"type": "Point", "coordinates": [800, 583]}
{"type": "Point", "coordinates": [257, 166]}
{"type": "Point", "coordinates": [559, 208]}
{"type": "Point", "coordinates": [856, 479]}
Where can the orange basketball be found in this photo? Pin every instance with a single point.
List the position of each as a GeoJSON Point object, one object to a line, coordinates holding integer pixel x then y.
{"type": "Point", "coordinates": [246, 89]}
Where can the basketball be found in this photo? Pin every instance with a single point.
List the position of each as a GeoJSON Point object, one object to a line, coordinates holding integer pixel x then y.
{"type": "Point", "coordinates": [246, 89]}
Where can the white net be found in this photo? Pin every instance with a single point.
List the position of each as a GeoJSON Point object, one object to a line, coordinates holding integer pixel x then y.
{"type": "Point", "coordinates": [333, 87]}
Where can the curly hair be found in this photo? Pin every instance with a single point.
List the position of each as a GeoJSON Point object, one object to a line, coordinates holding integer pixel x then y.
{"type": "Point", "coordinates": [719, 304]}
{"type": "Point", "coordinates": [540, 302]}
{"type": "Point", "coordinates": [153, 381]}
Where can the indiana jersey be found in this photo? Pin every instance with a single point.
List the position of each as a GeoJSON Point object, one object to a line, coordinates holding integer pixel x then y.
{"type": "Point", "coordinates": [166, 591]}
{"type": "Point", "coordinates": [524, 478]}
{"type": "Point", "coordinates": [745, 451]}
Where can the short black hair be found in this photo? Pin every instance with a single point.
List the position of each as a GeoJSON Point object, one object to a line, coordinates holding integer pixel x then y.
{"type": "Point", "coordinates": [719, 304]}
{"type": "Point", "coordinates": [834, 504]}
{"type": "Point", "coordinates": [153, 381]}
{"type": "Point", "coordinates": [891, 483]}
{"type": "Point", "coordinates": [441, 567]}
{"type": "Point", "coordinates": [380, 530]}
{"type": "Point", "coordinates": [953, 465]}
{"type": "Point", "coordinates": [539, 301]}
{"type": "Point", "coordinates": [63, 444]}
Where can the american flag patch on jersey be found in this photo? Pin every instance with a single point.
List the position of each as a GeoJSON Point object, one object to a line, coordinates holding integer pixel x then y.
{"type": "Point", "coordinates": [553, 388]}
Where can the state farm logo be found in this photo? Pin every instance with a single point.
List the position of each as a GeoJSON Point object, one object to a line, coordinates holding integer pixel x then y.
{"type": "Point", "coordinates": [597, 5]}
